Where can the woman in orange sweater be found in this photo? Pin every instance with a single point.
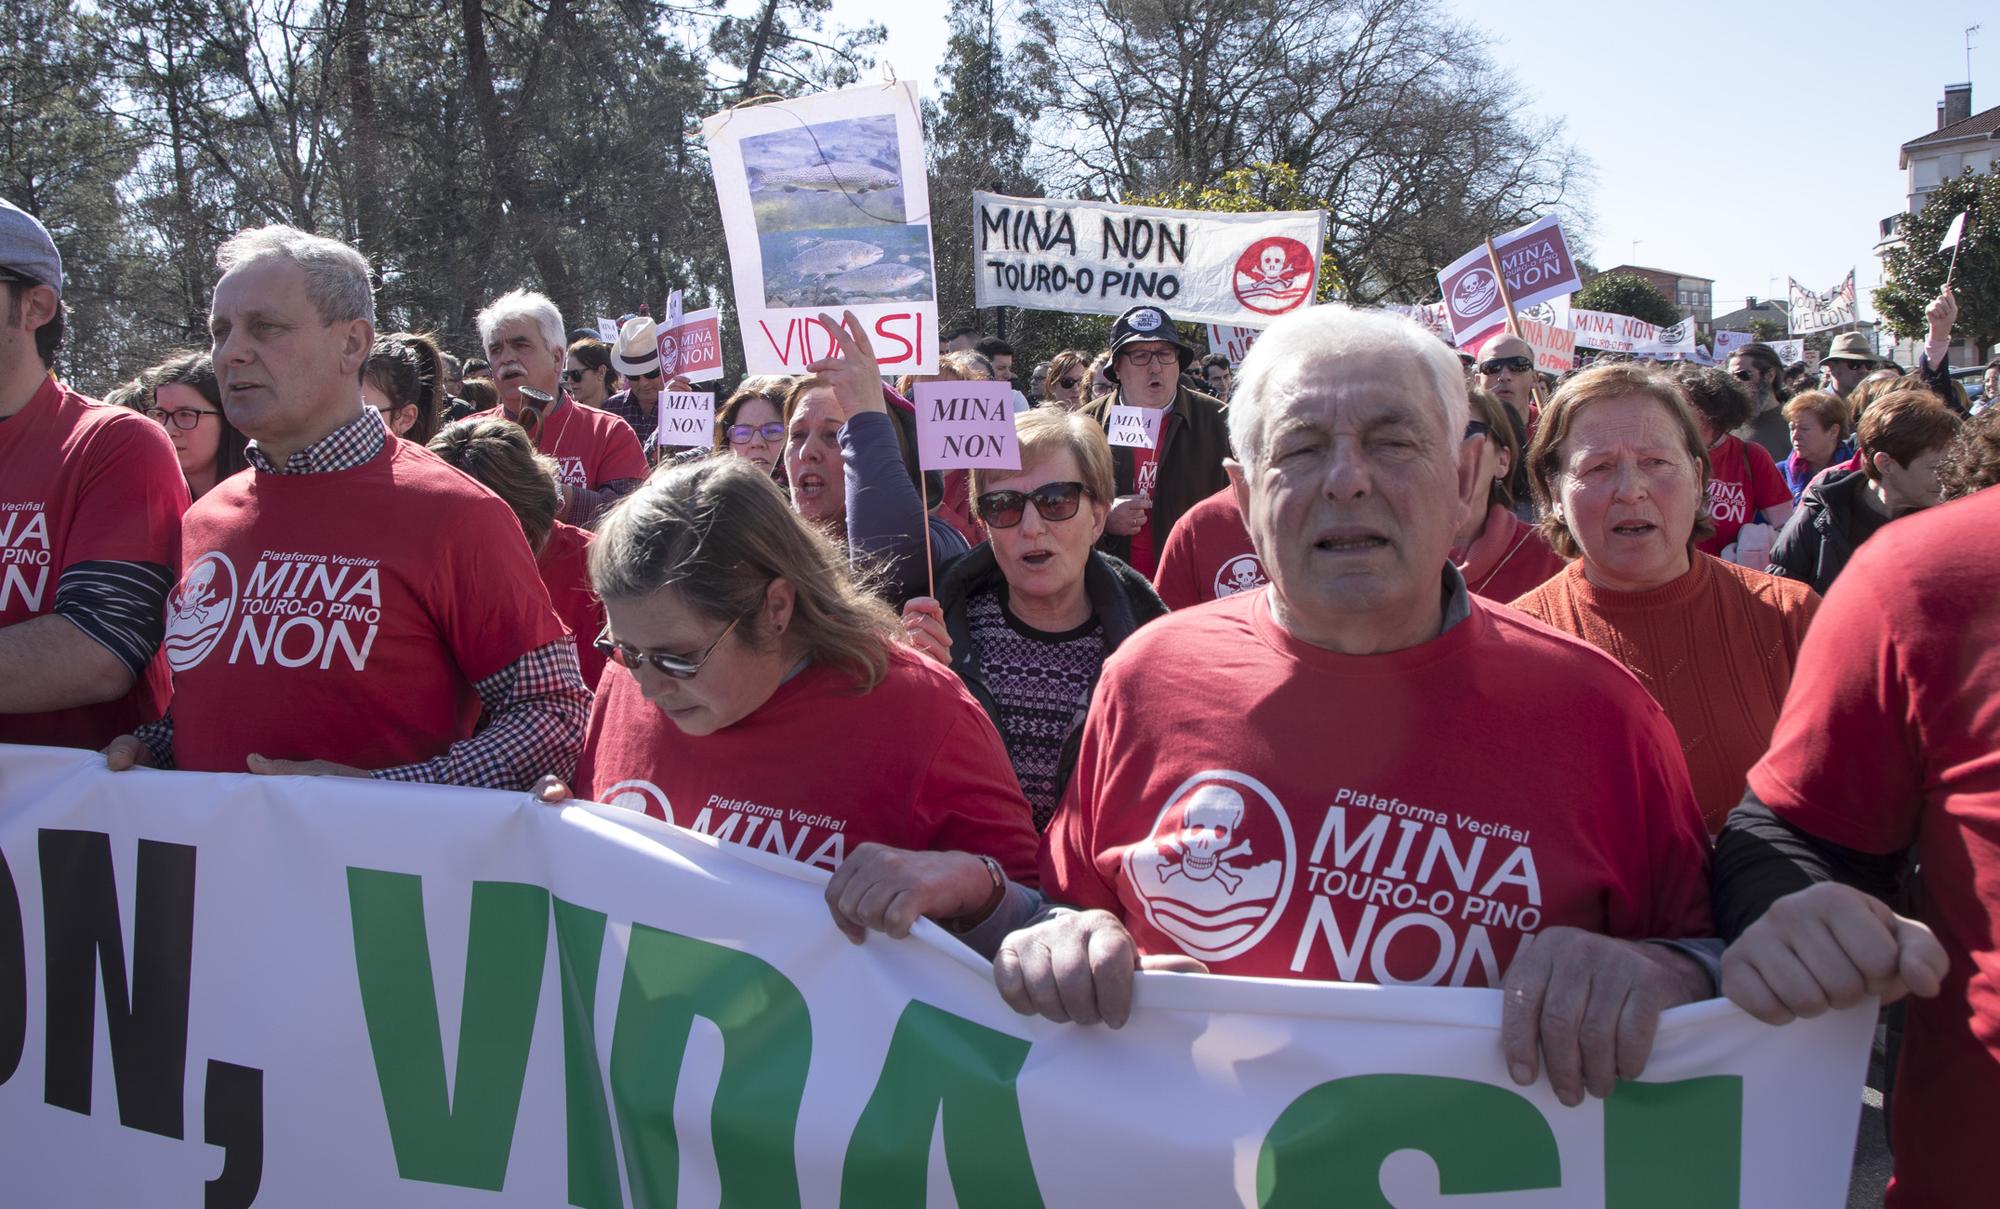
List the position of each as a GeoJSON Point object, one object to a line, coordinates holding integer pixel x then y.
{"type": "Point", "coordinates": [1620, 472]}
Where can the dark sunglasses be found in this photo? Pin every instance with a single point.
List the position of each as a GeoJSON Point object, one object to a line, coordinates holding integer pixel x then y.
{"type": "Point", "coordinates": [1519, 365]}
{"type": "Point", "coordinates": [740, 434]}
{"type": "Point", "coordinates": [650, 376]}
{"type": "Point", "coordinates": [1070, 383]}
{"type": "Point", "coordinates": [1053, 502]}
{"type": "Point", "coordinates": [1744, 375]}
{"type": "Point", "coordinates": [1476, 428]}
{"type": "Point", "coordinates": [184, 418]}
{"type": "Point", "coordinates": [574, 375]}
{"type": "Point", "coordinates": [632, 658]}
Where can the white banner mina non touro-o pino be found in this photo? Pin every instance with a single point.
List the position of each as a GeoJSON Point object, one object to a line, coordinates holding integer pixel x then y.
{"type": "Point", "coordinates": [347, 992]}
{"type": "Point", "coordinates": [1095, 258]}
{"type": "Point", "coordinates": [826, 208]}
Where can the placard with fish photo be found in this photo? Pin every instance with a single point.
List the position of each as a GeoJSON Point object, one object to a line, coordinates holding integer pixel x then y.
{"type": "Point", "coordinates": [826, 208]}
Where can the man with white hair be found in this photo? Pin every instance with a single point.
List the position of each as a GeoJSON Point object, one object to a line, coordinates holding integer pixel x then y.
{"type": "Point", "coordinates": [1404, 819]}
{"type": "Point", "coordinates": [352, 605]}
{"type": "Point", "coordinates": [597, 452]}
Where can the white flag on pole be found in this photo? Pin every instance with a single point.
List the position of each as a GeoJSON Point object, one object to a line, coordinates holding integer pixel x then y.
{"type": "Point", "coordinates": [1952, 233]}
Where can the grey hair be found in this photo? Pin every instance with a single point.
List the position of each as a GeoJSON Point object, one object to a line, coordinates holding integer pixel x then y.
{"type": "Point", "coordinates": [336, 275]}
{"type": "Point", "coordinates": [1334, 330]}
{"type": "Point", "coordinates": [522, 304]}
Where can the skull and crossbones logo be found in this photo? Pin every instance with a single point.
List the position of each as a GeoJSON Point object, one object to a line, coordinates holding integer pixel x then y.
{"type": "Point", "coordinates": [197, 594]}
{"type": "Point", "coordinates": [1211, 818]}
{"type": "Point", "coordinates": [1240, 575]}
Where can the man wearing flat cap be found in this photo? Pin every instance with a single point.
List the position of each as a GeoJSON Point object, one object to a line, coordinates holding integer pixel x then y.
{"type": "Point", "coordinates": [1155, 486]}
{"type": "Point", "coordinates": [90, 528]}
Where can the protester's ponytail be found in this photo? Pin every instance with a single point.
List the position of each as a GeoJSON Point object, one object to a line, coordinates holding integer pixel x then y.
{"type": "Point", "coordinates": [718, 532]}
{"type": "Point", "coordinates": [408, 368]}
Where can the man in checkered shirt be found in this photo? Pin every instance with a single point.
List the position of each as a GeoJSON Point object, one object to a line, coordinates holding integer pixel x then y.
{"type": "Point", "coordinates": [350, 605]}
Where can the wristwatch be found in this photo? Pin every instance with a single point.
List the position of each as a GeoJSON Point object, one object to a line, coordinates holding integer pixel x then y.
{"type": "Point", "coordinates": [961, 924]}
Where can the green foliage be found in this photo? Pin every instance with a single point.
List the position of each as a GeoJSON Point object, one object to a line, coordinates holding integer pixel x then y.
{"type": "Point", "coordinates": [1767, 329]}
{"type": "Point", "coordinates": [1624, 294]}
{"type": "Point", "coordinates": [1916, 268]}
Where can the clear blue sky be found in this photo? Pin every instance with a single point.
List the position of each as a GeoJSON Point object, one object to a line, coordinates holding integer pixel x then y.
{"type": "Point", "coordinates": [1735, 141]}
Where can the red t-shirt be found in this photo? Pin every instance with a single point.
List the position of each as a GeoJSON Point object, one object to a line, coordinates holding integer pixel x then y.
{"type": "Point", "coordinates": [1743, 480]}
{"type": "Point", "coordinates": [1284, 811]}
{"type": "Point", "coordinates": [82, 482]}
{"type": "Point", "coordinates": [1890, 738]}
{"type": "Point", "coordinates": [1208, 555]}
{"type": "Point", "coordinates": [1146, 481]}
{"type": "Point", "coordinates": [591, 447]}
{"type": "Point", "coordinates": [565, 566]}
{"type": "Point", "coordinates": [817, 769]}
{"type": "Point", "coordinates": [346, 616]}
{"type": "Point", "coordinates": [1509, 558]}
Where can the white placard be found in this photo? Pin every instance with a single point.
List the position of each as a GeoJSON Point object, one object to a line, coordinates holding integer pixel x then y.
{"type": "Point", "coordinates": [687, 419]}
{"type": "Point", "coordinates": [826, 207]}
{"type": "Point", "coordinates": [1095, 258]}
{"type": "Point", "coordinates": [607, 331]}
{"type": "Point", "coordinates": [1137, 427]}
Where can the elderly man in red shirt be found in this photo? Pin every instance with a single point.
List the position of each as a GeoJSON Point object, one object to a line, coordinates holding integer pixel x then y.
{"type": "Point", "coordinates": [1345, 775]}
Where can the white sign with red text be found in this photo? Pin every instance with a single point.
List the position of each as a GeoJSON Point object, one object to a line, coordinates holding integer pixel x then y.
{"type": "Point", "coordinates": [1232, 342]}
{"type": "Point", "coordinates": [826, 209]}
{"type": "Point", "coordinates": [692, 348]}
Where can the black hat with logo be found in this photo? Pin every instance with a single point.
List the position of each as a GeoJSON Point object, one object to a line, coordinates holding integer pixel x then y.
{"type": "Point", "coordinates": [1142, 324]}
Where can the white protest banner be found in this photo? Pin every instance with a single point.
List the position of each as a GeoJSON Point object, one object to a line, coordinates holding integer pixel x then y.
{"type": "Point", "coordinates": [1816, 312]}
{"type": "Point", "coordinates": [607, 331]}
{"type": "Point", "coordinates": [1432, 315]}
{"type": "Point", "coordinates": [1232, 341]}
{"type": "Point", "coordinates": [1728, 342]}
{"type": "Point", "coordinates": [1536, 263]}
{"type": "Point", "coordinates": [961, 425]}
{"type": "Point", "coordinates": [692, 348]}
{"type": "Point", "coordinates": [1555, 347]}
{"type": "Point", "coordinates": [1095, 258]}
{"type": "Point", "coordinates": [1610, 332]}
{"type": "Point", "coordinates": [1136, 427]}
{"type": "Point", "coordinates": [1674, 343]}
{"type": "Point", "coordinates": [345, 992]}
{"type": "Point", "coordinates": [826, 207]}
{"type": "Point", "coordinates": [1791, 352]}
{"type": "Point", "coordinates": [687, 419]}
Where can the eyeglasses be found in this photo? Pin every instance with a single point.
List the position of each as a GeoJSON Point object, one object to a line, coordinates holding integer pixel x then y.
{"type": "Point", "coordinates": [1154, 356]}
{"type": "Point", "coordinates": [1476, 428]}
{"type": "Point", "coordinates": [1744, 375]}
{"type": "Point", "coordinates": [1053, 502]}
{"type": "Point", "coordinates": [184, 418]}
{"type": "Point", "coordinates": [740, 434]}
{"type": "Point", "coordinates": [632, 658]}
{"type": "Point", "coordinates": [1070, 383]}
{"type": "Point", "coordinates": [573, 376]}
{"type": "Point", "coordinates": [1518, 365]}
{"type": "Point", "coordinates": [652, 376]}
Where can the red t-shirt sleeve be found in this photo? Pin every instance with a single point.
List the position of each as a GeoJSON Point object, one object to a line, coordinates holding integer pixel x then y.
{"type": "Point", "coordinates": [130, 504]}
{"type": "Point", "coordinates": [1767, 483]}
{"type": "Point", "coordinates": [1068, 855]}
{"type": "Point", "coordinates": [623, 459]}
{"type": "Point", "coordinates": [972, 798]}
{"type": "Point", "coordinates": [1845, 761]}
{"type": "Point", "coordinates": [1178, 579]}
{"type": "Point", "coordinates": [488, 595]}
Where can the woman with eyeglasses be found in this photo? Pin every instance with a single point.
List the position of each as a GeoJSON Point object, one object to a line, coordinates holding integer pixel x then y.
{"type": "Point", "coordinates": [402, 380]}
{"type": "Point", "coordinates": [1028, 617]}
{"type": "Point", "coordinates": [762, 697]}
{"type": "Point", "coordinates": [1066, 380]}
{"type": "Point", "coordinates": [499, 456]}
{"type": "Point", "coordinates": [181, 394]}
{"type": "Point", "coordinates": [1500, 556]}
{"type": "Point", "coordinates": [751, 423]}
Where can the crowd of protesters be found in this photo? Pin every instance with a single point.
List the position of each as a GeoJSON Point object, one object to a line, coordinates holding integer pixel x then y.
{"type": "Point", "coordinates": [1124, 707]}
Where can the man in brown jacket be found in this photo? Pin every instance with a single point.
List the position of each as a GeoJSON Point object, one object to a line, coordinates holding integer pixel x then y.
{"type": "Point", "coordinates": [1184, 466]}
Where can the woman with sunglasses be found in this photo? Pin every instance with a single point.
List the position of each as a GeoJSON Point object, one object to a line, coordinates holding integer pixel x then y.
{"type": "Point", "coordinates": [1499, 555]}
{"type": "Point", "coordinates": [751, 425]}
{"type": "Point", "coordinates": [587, 372]}
{"type": "Point", "coordinates": [182, 394]}
{"type": "Point", "coordinates": [1028, 617]}
{"type": "Point", "coordinates": [1067, 379]}
{"type": "Point", "coordinates": [763, 698]}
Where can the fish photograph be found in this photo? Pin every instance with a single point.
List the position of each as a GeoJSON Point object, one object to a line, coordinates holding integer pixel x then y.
{"type": "Point", "coordinates": [830, 174]}
{"type": "Point", "coordinates": [840, 266]}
